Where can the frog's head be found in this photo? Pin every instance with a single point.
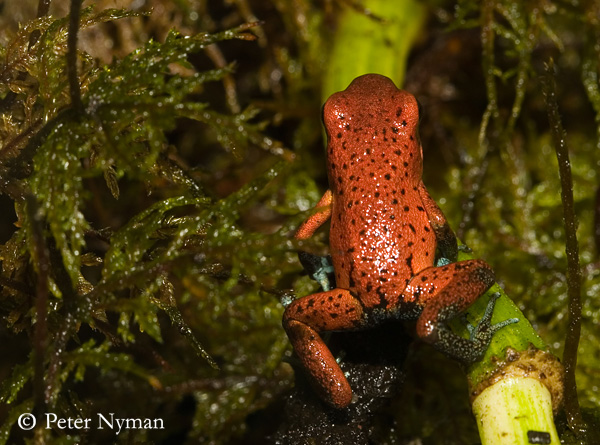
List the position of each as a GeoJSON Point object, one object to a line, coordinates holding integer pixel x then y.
{"type": "Point", "coordinates": [373, 119]}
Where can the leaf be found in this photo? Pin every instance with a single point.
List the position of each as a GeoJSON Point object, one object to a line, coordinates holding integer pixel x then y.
{"type": "Point", "coordinates": [11, 387]}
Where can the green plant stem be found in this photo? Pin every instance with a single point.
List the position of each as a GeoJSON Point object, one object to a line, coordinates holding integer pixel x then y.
{"type": "Point", "coordinates": [378, 42]}
{"type": "Point", "coordinates": [506, 404]}
{"type": "Point", "coordinates": [515, 411]}
{"type": "Point", "coordinates": [42, 268]}
{"type": "Point", "coordinates": [559, 137]}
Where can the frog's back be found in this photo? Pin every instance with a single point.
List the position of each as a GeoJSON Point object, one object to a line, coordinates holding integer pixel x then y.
{"type": "Point", "coordinates": [380, 234]}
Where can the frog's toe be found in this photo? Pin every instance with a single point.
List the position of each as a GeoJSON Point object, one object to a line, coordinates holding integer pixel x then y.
{"type": "Point", "coordinates": [484, 330]}
{"type": "Point", "coordinates": [496, 327]}
{"type": "Point", "coordinates": [442, 262]}
{"type": "Point", "coordinates": [464, 248]}
{"type": "Point", "coordinates": [480, 335]}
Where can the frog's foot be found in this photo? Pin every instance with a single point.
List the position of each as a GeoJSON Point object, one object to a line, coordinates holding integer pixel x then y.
{"type": "Point", "coordinates": [319, 268]}
{"type": "Point", "coordinates": [442, 262]}
{"type": "Point", "coordinates": [480, 335]}
{"type": "Point", "coordinates": [485, 329]}
{"type": "Point", "coordinates": [464, 248]}
{"type": "Point", "coordinates": [287, 298]}
{"type": "Point", "coordinates": [451, 289]}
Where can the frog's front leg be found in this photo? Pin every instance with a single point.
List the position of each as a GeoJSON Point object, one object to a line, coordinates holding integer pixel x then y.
{"type": "Point", "coordinates": [445, 237]}
{"type": "Point", "coordinates": [304, 319]}
{"type": "Point", "coordinates": [319, 268]}
{"type": "Point", "coordinates": [312, 223]}
{"type": "Point", "coordinates": [444, 292]}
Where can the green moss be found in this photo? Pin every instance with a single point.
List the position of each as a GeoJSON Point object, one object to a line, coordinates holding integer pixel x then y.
{"type": "Point", "coordinates": [130, 108]}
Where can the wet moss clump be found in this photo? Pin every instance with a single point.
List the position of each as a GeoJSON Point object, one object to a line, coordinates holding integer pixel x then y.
{"type": "Point", "coordinates": [113, 281]}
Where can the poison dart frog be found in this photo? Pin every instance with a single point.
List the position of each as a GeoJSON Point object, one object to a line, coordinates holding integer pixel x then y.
{"type": "Point", "coordinates": [384, 232]}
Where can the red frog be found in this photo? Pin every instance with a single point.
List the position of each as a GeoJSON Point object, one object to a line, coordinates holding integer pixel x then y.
{"type": "Point", "coordinates": [385, 230]}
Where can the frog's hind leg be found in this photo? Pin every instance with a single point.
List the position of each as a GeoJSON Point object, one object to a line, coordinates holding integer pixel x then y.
{"type": "Point", "coordinates": [444, 292]}
{"type": "Point", "coordinates": [304, 319]}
